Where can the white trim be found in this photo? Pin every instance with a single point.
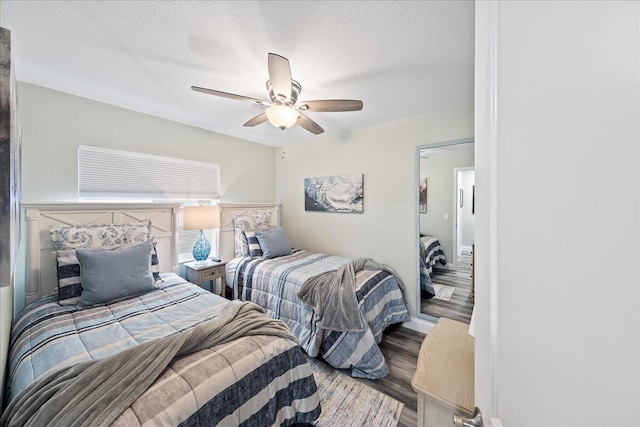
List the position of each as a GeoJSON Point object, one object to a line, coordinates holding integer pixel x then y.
{"type": "Point", "coordinates": [419, 324]}
{"type": "Point", "coordinates": [493, 201]}
{"type": "Point", "coordinates": [486, 312]}
{"type": "Point", "coordinates": [638, 264]}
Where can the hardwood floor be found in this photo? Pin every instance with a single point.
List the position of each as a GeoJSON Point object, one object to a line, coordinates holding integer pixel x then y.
{"type": "Point", "coordinates": [460, 306]}
{"type": "Point", "coordinates": [400, 349]}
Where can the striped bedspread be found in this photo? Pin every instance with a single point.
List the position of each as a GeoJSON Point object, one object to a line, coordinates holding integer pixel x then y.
{"type": "Point", "coordinates": [431, 252]}
{"type": "Point", "coordinates": [274, 283]}
{"type": "Point", "coordinates": [254, 380]}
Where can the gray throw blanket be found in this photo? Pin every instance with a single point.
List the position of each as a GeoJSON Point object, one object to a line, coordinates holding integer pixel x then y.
{"type": "Point", "coordinates": [97, 392]}
{"type": "Point", "coordinates": [333, 295]}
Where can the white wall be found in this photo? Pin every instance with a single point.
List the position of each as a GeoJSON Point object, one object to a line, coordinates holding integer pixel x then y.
{"type": "Point", "coordinates": [557, 178]}
{"type": "Point", "coordinates": [385, 154]}
{"type": "Point", "coordinates": [55, 123]}
{"type": "Point", "coordinates": [439, 171]}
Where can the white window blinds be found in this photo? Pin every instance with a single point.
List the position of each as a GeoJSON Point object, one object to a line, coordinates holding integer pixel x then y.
{"type": "Point", "coordinates": [113, 174]}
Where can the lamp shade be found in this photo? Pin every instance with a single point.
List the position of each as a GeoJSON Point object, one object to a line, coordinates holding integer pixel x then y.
{"type": "Point", "coordinates": [200, 217]}
{"type": "Point", "coordinates": [282, 116]}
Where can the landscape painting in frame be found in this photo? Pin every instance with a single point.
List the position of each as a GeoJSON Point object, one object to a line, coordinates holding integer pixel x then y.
{"type": "Point", "coordinates": [422, 195]}
{"type": "Point", "coordinates": [344, 194]}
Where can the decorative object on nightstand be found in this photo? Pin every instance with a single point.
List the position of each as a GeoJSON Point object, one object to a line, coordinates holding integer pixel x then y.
{"type": "Point", "coordinates": [207, 271]}
{"type": "Point", "coordinates": [201, 218]}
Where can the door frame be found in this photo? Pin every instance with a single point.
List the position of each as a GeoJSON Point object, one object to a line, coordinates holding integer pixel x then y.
{"type": "Point", "coordinates": [485, 321]}
{"type": "Point", "coordinates": [456, 208]}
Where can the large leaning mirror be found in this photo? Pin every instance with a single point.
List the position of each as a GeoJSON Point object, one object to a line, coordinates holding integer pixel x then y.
{"type": "Point", "coordinates": [445, 191]}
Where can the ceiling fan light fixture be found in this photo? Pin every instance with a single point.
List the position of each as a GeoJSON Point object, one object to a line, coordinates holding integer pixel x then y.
{"type": "Point", "coordinates": [282, 116]}
{"type": "Point", "coordinates": [283, 111]}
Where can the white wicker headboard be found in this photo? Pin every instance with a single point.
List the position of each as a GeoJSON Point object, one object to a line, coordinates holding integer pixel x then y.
{"type": "Point", "coordinates": [41, 276]}
{"type": "Point", "coordinates": [228, 213]}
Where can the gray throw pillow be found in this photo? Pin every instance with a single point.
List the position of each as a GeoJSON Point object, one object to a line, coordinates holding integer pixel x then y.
{"type": "Point", "coordinates": [109, 275]}
{"type": "Point", "coordinates": [274, 243]}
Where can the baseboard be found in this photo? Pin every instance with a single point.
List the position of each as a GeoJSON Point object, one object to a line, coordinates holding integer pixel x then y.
{"type": "Point", "coordinates": [420, 325]}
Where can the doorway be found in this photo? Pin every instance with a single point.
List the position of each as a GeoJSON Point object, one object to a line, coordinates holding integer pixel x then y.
{"type": "Point", "coordinates": [464, 222]}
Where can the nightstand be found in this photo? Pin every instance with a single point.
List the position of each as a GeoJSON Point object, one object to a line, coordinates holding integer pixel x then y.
{"type": "Point", "coordinates": [208, 271]}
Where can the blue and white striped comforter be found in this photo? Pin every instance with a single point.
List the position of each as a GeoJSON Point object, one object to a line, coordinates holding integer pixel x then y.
{"type": "Point", "coordinates": [274, 284]}
{"type": "Point", "coordinates": [236, 383]}
{"type": "Point", "coordinates": [431, 253]}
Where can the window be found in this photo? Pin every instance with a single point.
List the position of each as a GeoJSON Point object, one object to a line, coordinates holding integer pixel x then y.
{"type": "Point", "coordinates": [109, 175]}
{"type": "Point", "coordinates": [113, 174]}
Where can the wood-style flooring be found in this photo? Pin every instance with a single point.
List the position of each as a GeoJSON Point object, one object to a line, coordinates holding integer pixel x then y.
{"type": "Point", "coordinates": [460, 306]}
{"type": "Point", "coordinates": [400, 349]}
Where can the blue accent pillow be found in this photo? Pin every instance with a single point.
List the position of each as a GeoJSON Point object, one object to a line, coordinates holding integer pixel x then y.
{"type": "Point", "coordinates": [274, 243]}
{"type": "Point", "coordinates": [69, 281]}
{"type": "Point", "coordinates": [110, 275]}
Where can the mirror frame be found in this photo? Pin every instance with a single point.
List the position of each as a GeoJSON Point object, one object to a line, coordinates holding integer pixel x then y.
{"type": "Point", "coordinates": [416, 210]}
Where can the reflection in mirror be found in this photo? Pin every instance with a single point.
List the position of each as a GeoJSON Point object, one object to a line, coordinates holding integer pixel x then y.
{"type": "Point", "coordinates": [445, 229]}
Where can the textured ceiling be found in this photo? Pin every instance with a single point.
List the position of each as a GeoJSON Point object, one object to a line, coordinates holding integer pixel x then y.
{"type": "Point", "coordinates": [399, 58]}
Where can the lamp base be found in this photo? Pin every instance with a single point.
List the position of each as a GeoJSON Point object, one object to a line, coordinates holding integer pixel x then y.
{"type": "Point", "coordinates": [201, 248]}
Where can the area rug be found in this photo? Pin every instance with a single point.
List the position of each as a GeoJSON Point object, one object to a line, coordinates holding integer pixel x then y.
{"type": "Point", "coordinates": [443, 292]}
{"type": "Point", "coordinates": [348, 403]}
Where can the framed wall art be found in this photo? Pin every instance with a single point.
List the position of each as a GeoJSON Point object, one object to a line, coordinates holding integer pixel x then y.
{"type": "Point", "coordinates": [343, 194]}
{"type": "Point", "coordinates": [422, 195]}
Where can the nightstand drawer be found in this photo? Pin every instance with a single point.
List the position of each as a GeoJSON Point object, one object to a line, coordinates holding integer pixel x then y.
{"type": "Point", "coordinates": [209, 271]}
{"type": "Point", "coordinates": [212, 273]}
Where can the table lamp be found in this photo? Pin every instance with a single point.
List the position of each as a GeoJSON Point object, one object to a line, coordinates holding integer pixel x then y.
{"type": "Point", "coordinates": [200, 218]}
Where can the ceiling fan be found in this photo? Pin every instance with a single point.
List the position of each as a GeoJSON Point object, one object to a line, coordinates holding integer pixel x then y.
{"type": "Point", "coordinates": [284, 111]}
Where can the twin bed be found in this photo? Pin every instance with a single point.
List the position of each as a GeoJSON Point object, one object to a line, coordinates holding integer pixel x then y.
{"type": "Point", "coordinates": [431, 254]}
{"type": "Point", "coordinates": [177, 354]}
{"type": "Point", "coordinates": [281, 282]}
{"type": "Point", "coordinates": [202, 360]}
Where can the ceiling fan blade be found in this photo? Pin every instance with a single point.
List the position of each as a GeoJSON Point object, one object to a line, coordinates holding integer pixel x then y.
{"type": "Point", "coordinates": [228, 95]}
{"type": "Point", "coordinates": [309, 124]}
{"type": "Point", "coordinates": [260, 118]}
{"type": "Point", "coordinates": [280, 75]}
{"type": "Point", "coordinates": [331, 105]}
